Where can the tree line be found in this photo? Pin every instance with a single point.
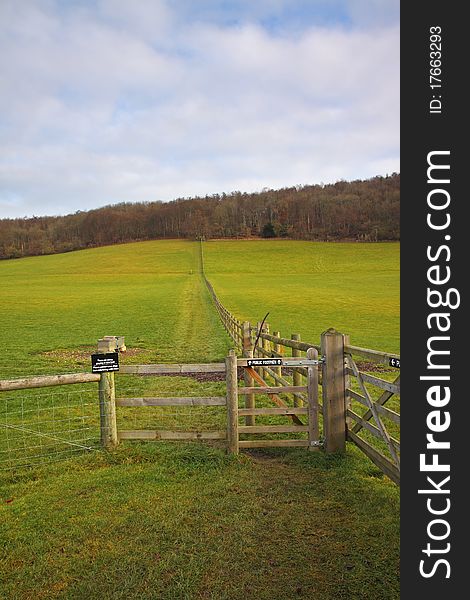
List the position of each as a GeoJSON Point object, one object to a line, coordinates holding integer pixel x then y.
{"type": "Point", "coordinates": [362, 210]}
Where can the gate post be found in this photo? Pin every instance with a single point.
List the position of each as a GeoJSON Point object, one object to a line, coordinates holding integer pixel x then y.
{"type": "Point", "coordinates": [232, 402]}
{"type": "Point", "coordinates": [256, 352]}
{"type": "Point", "coordinates": [265, 344]}
{"type": "Point", "coordinates": [278, 349]}
{"type": "Point", "coordinates": [248, 380]}
{"type": "Point", "coordinates": [296, 376]}
{"type": "Point", "coordinates": [347, 384]}
{"type": "Point", "coordinates": [312, 394]}
{"type": "Point", "coordinates": [334, 391]}
{"type": "Point", "coordinates": [107, 397]}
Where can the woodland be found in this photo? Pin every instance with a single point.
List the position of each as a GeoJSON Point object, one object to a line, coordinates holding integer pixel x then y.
{"type": "Point", "coordinates": [362, 210]}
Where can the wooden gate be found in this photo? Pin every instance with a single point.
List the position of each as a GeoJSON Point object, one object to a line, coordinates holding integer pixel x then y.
{"type": "Point", "coordinates": [302, 416]}
{"type": "Point", "coordinates": [305, 407]}
{"type": "Point", "coordinates": [175, 402]}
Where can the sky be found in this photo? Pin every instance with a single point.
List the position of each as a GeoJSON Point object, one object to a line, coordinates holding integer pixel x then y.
{"type": "Point", "coordinates": [107, 101]}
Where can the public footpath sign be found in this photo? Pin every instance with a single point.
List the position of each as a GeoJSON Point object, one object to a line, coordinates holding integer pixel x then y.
{"type": "Point", "coordinates": [264, 362]}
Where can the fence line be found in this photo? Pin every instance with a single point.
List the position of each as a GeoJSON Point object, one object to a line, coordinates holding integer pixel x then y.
{"type": "Point", "coordinates": [363, 413]}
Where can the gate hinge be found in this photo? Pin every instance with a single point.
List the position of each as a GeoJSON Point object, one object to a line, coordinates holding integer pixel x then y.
{"type": "Point", "coordinates": [316, 443]}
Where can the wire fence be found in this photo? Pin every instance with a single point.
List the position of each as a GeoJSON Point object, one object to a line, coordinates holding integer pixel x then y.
{"type": "Point", "coordinates": [174, 418]}
{"type": "Point", "coordinates": [45, 425]}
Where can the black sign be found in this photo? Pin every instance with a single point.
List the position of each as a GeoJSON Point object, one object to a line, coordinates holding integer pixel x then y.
{"type": "Point", "coordinates": [264, 362]}
{"type": "Point", "coordinates": [394, 362]}
{"type": "Point", "coordinates": [105, 363]}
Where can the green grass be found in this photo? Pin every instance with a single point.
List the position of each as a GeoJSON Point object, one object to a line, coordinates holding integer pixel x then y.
{"type": "Point", "coordinates": [186, 521]}
{"type": "Point", "coordinates": [149, 292]}
{"type": "Point", "coordinates": [308, 287]}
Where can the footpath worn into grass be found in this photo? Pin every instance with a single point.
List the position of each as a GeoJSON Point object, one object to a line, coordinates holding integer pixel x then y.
{"type": "Point", "coordinates": [152, 293]}
{"type": "Point", "coordinates": [188, 522]}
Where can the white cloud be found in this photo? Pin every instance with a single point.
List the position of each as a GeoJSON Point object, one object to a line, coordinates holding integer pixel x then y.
{"type": "Point", "coordinates": [137, 101]}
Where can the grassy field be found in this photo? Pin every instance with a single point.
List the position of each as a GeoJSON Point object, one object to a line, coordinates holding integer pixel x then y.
{"type": "Point", "coordinates": [308, 287]}
{"type": "Point", "coordinates": [53, 306]}
{"type": "Point", "coordinates": [186, 521]}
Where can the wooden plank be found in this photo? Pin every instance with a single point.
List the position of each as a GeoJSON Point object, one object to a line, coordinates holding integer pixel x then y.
{"type": "Point", "coordinates": [188, 401]}
{"type": "Point", "coordinates": [356, 396]}
{"type": "Point", "coordinates": [272, 428]}
{"type": "Point", "coordinates": [282, 411]}
{"type": "Point", "coordinates": [7, 385]}
{"type": "Point", "coordinates": [382, 410]}
{"type": "Point", "coordinates": [266, 347]}
{"type": "Point", "coordinates": [376, 457]}
{"type": "Point", "coordinates": [256, 348]}
{"type": "Point", "coordinates": [347, 381]}
{"type": "Point", "coordinates": [374, 355]}
{"type": "Point", "coordinates": [371, 427]}
{"type": "Point", "coordinates": [284, 382]}
{"type": "Point", "coordinates": [156, 434]}
{"type": "Point", "coordinates": [247, 347]}
{"type": "Point", "coordinates": [247, 378]}
{"type": "Point", "coordinates": [372, 408]}
{"type": "Point", "coordinates": [272, 411]}
{"type": "Point", "coordinates": [107, 399]}
{"type": "Point", "coordinates": [385, 397]}
{"type": "Point", "coordinates": [296, 375]}
{"type": "Point", "coordinates": [388, 413]}
{"type": "Point", "coordinates": [282, 389]}
{"type": "Point", "coordinates": [380, 383]}
{"type": "Point", "coordinates": [334, 418]}
{"type": "Point", "coordinates": [277, 349]}
{"type": "Point", "coordinates": [232, 402]}
{"type": "Point", "coordinates": [270, 354]}
{"type": "Point", "coordinates": [312, 395]}
{"type": "Point", "coordinates": [166, 369]}
{"type": "Point", "coordinates": [289, 343]}
{"type": "Point", "coordinates": [273, 443]}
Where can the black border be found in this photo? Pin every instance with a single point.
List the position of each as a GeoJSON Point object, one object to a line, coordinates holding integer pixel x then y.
{"type": "Point", "coordinates": [422, 132]}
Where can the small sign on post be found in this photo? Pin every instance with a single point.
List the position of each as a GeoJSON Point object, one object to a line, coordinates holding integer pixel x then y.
{"type": "Point", "coordinates": [105, 363]}
{"type": "Point", "coordinates": [394, 362]}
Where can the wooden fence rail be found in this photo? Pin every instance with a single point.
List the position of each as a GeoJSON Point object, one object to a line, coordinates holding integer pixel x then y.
{"type": "Point", "coordinates": [8, 385]}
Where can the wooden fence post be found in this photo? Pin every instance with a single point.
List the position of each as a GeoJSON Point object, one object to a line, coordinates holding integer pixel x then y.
{"type": "Point", "coordinates": [277, 349]}
{"type": "Point", "coordinates": [248, 379]}
{"type": "Point", "coordinates": [107, 398]}
{"type": "Point", "coordinates": [232, 402]}
{"type": "Point", "coordinates": [347, 384]}
{"type": "Point", "coordinates": [266, 344]}
{"type": "Point", "coordinates": [312, 393]}
{"type": "Point", "coordinates": [334, 413]}
{"type": "Point", "coordinates": [257, 353]}
{"type": "Point", "coordinates": [296, 377]}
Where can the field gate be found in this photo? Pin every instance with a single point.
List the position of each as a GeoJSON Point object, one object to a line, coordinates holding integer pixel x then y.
{"type": "Point", "coordinates": [254, 384]}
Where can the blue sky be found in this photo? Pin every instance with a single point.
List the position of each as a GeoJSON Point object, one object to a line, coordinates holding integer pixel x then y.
{"type": "Point", "coordinates": [105, 101]}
